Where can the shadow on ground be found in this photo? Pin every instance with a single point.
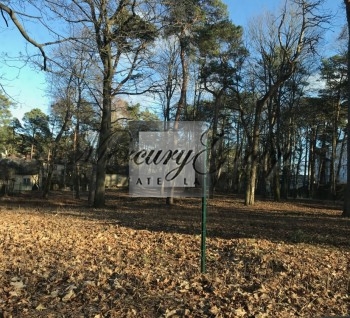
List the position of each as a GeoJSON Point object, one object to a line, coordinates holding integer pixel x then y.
{"type": "Point", "coordinates": [303, 221]}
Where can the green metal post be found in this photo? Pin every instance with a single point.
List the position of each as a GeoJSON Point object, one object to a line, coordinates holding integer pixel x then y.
{"type": "Point", "coordinates": [204, 218]}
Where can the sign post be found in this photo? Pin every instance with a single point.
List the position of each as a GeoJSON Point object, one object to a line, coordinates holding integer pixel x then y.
{"type": "Point", "coordinates": [170, 161]}
{"type": "Point", "coordinates": [204, 217]}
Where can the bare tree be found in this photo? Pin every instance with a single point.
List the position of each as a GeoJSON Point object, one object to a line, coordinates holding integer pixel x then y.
{"type": "Point", "coordinates": [166, 63]}
{"type": "Point", "coordinates": [121, 31]}
{"type": "Point", "coordinates": [280, 42]}
{"type": "Point", "coordinates": [118, 32]}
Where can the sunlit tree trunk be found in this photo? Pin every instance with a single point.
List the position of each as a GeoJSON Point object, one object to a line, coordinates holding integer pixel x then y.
{"type": "Point", "coordinates": [312, 159]}
{"type": "Point", "coordinates": [182, 104]}
{"type": "Point", "coordinates": [340, 159]}
{"type": "Point", "coordinates": [334, 149]}
{"type": "Point", "coordinates": [346, 209]}
{"type": "Point", "coordinates": [104, 137]}
{"type": "Point", "coordinates": [76, 172]}
{"type": "Point", "coordinates": [252, 165]}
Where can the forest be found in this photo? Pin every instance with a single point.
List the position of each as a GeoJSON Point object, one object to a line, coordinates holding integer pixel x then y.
{"type": "Point", "coordinates": [277, 132]}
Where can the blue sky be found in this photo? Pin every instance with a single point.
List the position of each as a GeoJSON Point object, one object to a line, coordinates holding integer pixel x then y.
{"type": "Point", "coordinates": [241, 11]}
{"type": "Point", "coordinates": [21, 81]}
{"type": "Point", "coordinates": [27, 86]}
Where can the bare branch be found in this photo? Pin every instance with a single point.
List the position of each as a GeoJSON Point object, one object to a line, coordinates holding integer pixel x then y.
{"type": "Point", "coordinates": [21, 29]}
{"type": "Point", "coordinates": [3, 16]}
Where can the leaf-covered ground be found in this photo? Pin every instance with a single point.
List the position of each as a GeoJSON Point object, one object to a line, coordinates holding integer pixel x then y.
{"type": "Point", "coordinates": [138, 258]}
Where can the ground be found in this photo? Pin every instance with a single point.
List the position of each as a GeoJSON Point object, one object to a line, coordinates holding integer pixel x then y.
{"type": "Point", "coordinates": [140, 258]}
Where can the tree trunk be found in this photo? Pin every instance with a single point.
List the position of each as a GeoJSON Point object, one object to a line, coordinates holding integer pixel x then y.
{"type": "Point", "coordinates": [252, 165]}
{"type": "Point", "coordinates": [102, 152]}
{"type": "Point", "coordinates": [32, 151]}
{"type": "Point", "coordinates": [77, 180]}
{"type": "Point", "coordinates": [266, 175]}
{"type": "Point", "coordinates": [312, 158]}
{"type": "Point", "coordinates": [47, 185]}
{"type": "Point", "coordinates": [306, 179]}
{"type": "Point", "coordinates": [92, 184]}
{"type": "Point", "coordinates": [76, 167]}
{"type": "Point", "coordinates": [105, 131]}
{"type": "Point", "coordinates": [346, 209]}
{"type": "Point", "coordinates": [287, 160]}
{"type": "Point", "coordinates": [277, 182]}
{"type": "Point", "coordinates": [277, 174]}
{"type": "Point", "coordinates": [237, 163]}
{"type": "Point", "coordinates": [182, 104]}
{"type": "Point", "coordinates": [340, 159]}
{"type": "Point", "coordinates": [333, 178]}
{"type": "Point", "coordinates": [297, 172]}
{"type": "Point", "coordinates": [215, 145]}
{"type": "Point", "coordinates": [251, 181]}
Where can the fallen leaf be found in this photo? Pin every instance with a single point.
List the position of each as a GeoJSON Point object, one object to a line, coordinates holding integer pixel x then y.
{"type": "Point", "coordinates": [240, 312]}
{"type": "Point", "coordinates": [69, 295]}
{"type": "Point", "coordinates": [40, 307]}
{"type": "Point", "coordinates": [17, 285]}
